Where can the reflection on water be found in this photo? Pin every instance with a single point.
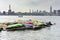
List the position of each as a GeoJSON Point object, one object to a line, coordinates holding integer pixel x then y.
{"type": "Point", "coordinates": [49, 33]}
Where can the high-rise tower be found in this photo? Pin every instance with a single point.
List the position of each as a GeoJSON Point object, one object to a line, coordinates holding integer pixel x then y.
{"type": "Point", "coordinates": [50, 9]}
{"type": "Point", "coordinates": [9, 7]}
{"type": "Point", "coordinates": [9, 11]}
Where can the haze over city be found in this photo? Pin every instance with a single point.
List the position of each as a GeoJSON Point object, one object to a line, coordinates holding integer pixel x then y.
{"type": "Point", "coordinates": [25, 5]}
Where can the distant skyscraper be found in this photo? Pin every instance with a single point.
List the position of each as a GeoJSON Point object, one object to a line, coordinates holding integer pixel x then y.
{"type": "Point", "coordinates": [37, 10]}
{"type": "Point", "coordinates": [50, 9]}
{"type": "Point", "coordinates": [9, 11]}
{"type": "Point", "coordinates": [9, 7]}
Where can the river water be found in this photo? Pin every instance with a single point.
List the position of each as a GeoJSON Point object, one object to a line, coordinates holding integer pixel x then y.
{"type": "Point", "coordinates": [50, 33]}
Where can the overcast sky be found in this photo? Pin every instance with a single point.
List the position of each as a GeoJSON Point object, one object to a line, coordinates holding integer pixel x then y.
{"type": "Point", "coordinates": [25, 5]}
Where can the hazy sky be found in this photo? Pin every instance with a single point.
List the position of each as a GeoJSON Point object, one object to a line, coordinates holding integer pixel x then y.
{"type": "Point", "coordinates": [25, 5]}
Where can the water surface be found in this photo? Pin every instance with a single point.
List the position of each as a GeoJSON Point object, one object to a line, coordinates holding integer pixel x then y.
{"type": "Point", "coordinates": [50, 33]}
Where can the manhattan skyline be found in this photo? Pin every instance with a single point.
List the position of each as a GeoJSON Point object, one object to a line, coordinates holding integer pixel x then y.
{"type": "Point", "coordinates": [25, 5]}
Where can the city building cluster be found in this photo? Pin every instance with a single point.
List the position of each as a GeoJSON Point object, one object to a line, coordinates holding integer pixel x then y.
{"type": "Point", "coordinates": [31, 12]}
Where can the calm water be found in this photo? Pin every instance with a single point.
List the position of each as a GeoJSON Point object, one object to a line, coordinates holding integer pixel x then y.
{"type": "Point", "coordinates": [52, 33]}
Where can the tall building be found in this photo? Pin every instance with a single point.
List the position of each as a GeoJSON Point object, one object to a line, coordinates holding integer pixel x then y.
{"type": "Point", "coordinates": [9, 11]}
{"type": "Point", "coordinates": [37, 10]}
{"type": "Point", "coordinates": [50, 9]}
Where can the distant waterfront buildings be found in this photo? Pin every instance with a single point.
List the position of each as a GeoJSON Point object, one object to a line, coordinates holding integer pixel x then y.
{"type": "Point", "coordinates": [58, 12]}
{"type": "Point", "coordinates": [55, 12]}
{"type": "Point", "coordinates": [33, 12]}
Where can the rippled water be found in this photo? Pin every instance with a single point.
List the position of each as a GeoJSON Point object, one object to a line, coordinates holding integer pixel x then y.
{"type": "Point", "coordinates": [50, 33]}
